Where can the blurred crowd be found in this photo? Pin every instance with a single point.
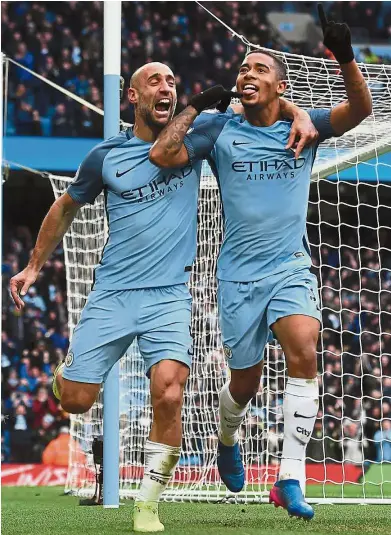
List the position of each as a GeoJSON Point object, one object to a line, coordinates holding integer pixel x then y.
{"type": "Point", "coordinates": [354, 358]}
{"type": "Point", "coordinates": [354, 419]}
{"type": "Point", "coordinates": [33, 343]}
{"type": "Point", "coordinates": [354, 362]}
{"type": "Point", "coordinates": [62, 41]}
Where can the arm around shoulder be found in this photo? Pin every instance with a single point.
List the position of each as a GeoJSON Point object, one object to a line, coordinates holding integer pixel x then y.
{"type": "Point", "coordinates": [169, 149]}
{"type": "Point", "coordinates": [163, 158]}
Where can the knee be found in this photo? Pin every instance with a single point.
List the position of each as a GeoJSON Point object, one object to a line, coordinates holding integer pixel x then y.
{"type": "Point", "coordinates": [170, 398]}
{"type": "Point", "coordinates": [168, 395]}
{"type": "Point", "coordinates": [77, 402]}
{"type": "Point", "coordinates": [303, 362]}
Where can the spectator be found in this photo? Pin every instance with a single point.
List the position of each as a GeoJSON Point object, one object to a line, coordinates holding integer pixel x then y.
{"type": "Point", "coordinates": [60, 340]}
{"type": "Point", "coordinates": [57, 451]}
{"type": "Point", "coordinates": [89, 124]}
{"type": "Point", "coordinates": [21, 433]}
{"type": "Point", "coordinates": [382, 439]}
{"type": "Point", "coordinates": [23, 111]}
{"type": "Point", "coordinates": [352, 445]}
{"type": "Point", "coordinates": [62, 123]}
{"type": "Point", "coordinates": [74, 57]}
{"type": "Point", "coordinates": [42, 405]}
{"type": "Point", "coordinates": [35, 300]}
{"type": "Point", "coordinates": [26, 59]}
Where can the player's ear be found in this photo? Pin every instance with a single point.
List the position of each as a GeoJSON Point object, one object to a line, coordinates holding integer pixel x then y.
{"type": "Point", "coordinates": [132, 95]}
{"type": "Point", "coordinates": [281, 88]}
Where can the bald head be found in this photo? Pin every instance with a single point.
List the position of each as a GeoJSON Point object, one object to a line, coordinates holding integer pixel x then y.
{"type": "Point", "coordinates": [149, 70]}
{"type": "Point", "coordinates": [152, 92]}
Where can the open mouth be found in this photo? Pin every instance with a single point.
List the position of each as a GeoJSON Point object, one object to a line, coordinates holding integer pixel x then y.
{"type": "Point", "coordinates": [162, 107]}
{"type": "Point", "coordinates": [249, 89]}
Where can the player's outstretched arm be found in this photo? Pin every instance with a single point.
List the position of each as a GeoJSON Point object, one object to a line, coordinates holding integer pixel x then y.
{"type": "Point", "coordinates": [54, 226]}
{"type": "Point", "coordinates": [169, 150]}
{"type": "Point", "coordinates": [358, 106]}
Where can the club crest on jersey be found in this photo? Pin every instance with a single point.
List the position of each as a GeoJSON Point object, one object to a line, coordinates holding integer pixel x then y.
{"type": "Point", "coordinates": [69, 359]}
{"type": "Point", "coordinates": [227, 351]}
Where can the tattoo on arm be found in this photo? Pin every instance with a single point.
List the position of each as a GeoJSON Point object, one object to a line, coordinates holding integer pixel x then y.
{"type": "Point", "coordinates": [358, 105]}
{"type": "Point", "coordinates": [171, 137]}
{"type": "Point", "coordinates": [356, 88]}
{"type": "Point", "coordinates": [355, 85]}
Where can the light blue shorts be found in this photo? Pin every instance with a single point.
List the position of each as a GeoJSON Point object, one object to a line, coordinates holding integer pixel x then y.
{"type": "Point", "coordinates": [248, 310]}
{"type": "Point", "coordinates": [158, 317]}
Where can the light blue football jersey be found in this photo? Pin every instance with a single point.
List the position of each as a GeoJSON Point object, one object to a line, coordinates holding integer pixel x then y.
{"type": "Point", "coordinates": [264, 192]}
{"type": "Point", "coordinates": [152, 214]}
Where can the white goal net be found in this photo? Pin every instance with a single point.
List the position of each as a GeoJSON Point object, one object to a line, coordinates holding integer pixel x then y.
{"type": "Point", "coordinates": [349, 228]}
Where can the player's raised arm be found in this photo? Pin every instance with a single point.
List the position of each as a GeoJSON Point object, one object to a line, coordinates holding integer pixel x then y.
{"type": "Point", "coordinates": [54, 226]}
{"type": "Point", "coordinates": [169, 149]}
{"type": "Point", "coordinates": [358, 106]}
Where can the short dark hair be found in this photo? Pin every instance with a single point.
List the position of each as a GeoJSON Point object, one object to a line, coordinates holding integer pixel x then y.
{"type": "Point", "coordinates": [278, 62]}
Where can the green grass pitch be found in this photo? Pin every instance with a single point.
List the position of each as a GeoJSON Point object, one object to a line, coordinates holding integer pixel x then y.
{"type": "Point", "coordinates": [45, 510]}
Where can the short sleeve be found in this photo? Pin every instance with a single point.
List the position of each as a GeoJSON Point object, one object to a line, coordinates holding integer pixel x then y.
{"type": "Point", "coordinates": [201, 138]}
{"type": "Point", "coordinates": [321, 119]}
{"type": "Point", "coordinates": [88, 182]}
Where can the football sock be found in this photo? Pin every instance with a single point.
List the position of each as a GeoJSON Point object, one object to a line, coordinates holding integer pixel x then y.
{"type": "Point", "coordinates": [231, 416]}
{"type": "Point", "coordinates": [160, 463]}
{"type": "Point", "coordinates": [300, 408]}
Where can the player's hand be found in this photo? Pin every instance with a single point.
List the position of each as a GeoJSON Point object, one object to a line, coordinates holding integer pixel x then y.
{"type": "Point", "coordinates": [20, 284]}
{"type": "Point", "coordinates": [213, 96]}
{"type": "Point", "coordinates": [303, 133]}
{"type": "Point", "coordinates": [337, 38]}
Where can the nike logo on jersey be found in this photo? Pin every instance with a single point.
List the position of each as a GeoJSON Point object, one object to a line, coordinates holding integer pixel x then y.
{"type": "Point", "coordinates": [236, 143]}
{"type": "Point", "coordinates": [118, 174]}
{"type": "Point", "coordinates": [297, 415]}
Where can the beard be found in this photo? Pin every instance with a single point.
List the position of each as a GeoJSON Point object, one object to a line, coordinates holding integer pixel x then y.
{"type": "Point", "coordinates": [147, 114]}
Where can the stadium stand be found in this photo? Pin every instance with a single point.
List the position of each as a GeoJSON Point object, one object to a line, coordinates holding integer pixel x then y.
{"type": "Point", "coordinates": [34, 342]}
{"type": "Point", "coordinates": [50, 38]}
{"type": "Point", "coordinates": [63, 42]}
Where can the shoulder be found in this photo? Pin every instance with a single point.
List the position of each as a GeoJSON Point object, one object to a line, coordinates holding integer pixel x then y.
{"type": "Point", "coordinates": [212, 117]}
{"type": "Point", "coordinates": [319, 112]}
{"type": "Point", "coordinates": [112, 142]}
{"type": "Point", "coordinates": [321, 118]}
{"type": "Point", "coordinates": [94, 159]}
{"type": "Point", "coordinates": [213, 124]}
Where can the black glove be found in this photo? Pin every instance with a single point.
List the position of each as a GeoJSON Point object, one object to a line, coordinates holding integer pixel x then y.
{"type": "Point", "coordinates": [211, 96]}
{"type": "Point", "coordinates": [224, 103]}
{"type": "Point", "coordinates": [337, 38]}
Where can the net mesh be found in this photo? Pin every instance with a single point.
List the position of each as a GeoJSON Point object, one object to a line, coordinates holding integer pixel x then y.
{"type": "Point", "coordinates": [349, 233]}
